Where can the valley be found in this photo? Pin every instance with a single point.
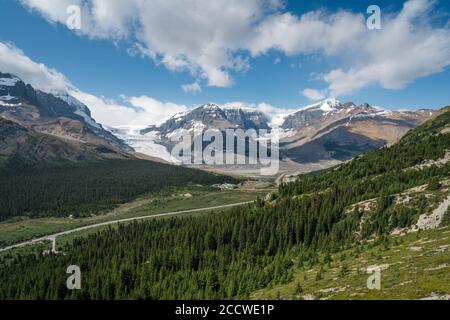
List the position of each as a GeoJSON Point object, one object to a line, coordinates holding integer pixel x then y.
{"type": "Point", "coordinates": [224, 159]}
{"type": "Point", "coordinates": [357, 187]}
{"type": "Point", "coordinates": [386, 208]}
{"type": "Point", "coordinates": [20, 229]}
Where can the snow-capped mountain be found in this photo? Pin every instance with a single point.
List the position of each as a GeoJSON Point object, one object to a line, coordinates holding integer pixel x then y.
{"type": "Point", "coordinates": [212, 116]}
{"type": "Point", "coordinates": [54, 118]}
{"type": "Point", "coordinates": [332, 130]}
{"type": "Point", "coordinates": [324, 133]}
{"type": "Point", "coordinates": [317, 112]}
{"type": "Point", "coordinates": [155, 141]}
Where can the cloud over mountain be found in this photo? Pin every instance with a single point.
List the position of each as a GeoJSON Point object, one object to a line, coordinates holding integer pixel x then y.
{"type": "Point", "coordinates": [140, 110]}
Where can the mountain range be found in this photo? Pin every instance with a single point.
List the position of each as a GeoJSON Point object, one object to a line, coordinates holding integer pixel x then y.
{"type": "Point", "coordinates": [41, 125]}
{"type": "Point", "coordinates": [311, 138]}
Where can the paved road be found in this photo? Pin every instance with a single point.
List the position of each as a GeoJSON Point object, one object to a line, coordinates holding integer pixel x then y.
{"type": "Point", "coordinates": [52, 237]}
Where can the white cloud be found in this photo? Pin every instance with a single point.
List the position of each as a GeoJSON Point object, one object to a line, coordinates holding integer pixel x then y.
{"type": "Point", "coordinates": [309, 33]}
{"type": "Point", "coordinates": [13, 60]}
{"type": "Point", "coordinates": [134, 111]}
{"type": "Point", "coordinates": [159, 111]}
{"type": "Point", "coordinates": [407, 48]}
{"type": "Point", "coordinates": [191, 88]}
{"type": "Point", "coordinates": [199, 36]}
{"type": "Point", "coordinates": [112, 113]}
{"type": "Point", "coordinates": [194, 35]}
{"type": "Point", "coordinates": [137, 111]}
{"type": "Point", "coordinates": [56, 12]}
{"type": "Point", "coordinates": [213, 39]}
{"type": "Point", "coordinates": [104, 19]}
{"type": "Point", "coordinates": [313, 94]}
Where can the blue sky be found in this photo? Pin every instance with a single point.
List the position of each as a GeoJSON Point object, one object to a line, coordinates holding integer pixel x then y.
{"type": "Point", "coordinates": [103, 66]}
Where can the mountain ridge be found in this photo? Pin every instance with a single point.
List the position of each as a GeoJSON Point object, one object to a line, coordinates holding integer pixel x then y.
{"type": "Point", "coordinates": [316, 136]}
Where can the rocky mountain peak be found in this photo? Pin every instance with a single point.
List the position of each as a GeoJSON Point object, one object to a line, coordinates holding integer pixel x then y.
{"type": "Point", "coordinates": [210, 107]}
{"type": "Point", "coordinates": [213, 116]}
{"type": "Point", "coordinates": [330, 104]}
{"type": "Point", "coordinates": [57, 114]}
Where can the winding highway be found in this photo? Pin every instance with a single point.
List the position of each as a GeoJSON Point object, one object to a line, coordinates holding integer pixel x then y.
{"type": "Point", "coordinates": [52, 237]}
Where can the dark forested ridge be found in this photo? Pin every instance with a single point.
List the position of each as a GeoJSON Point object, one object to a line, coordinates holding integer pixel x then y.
{"type": "Point", "coordinates": [232, 254]}
{"type": "Point", "coordinates": [87, 187]}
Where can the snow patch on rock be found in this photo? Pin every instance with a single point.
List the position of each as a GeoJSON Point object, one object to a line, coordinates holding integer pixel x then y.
{"type": "Point", "coordinates": [9, 82]}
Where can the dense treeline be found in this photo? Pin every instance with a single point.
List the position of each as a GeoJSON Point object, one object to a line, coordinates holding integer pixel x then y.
{"type": "Point", "coordinates": [89, 187]}
{"type": "Point", "coordinates": [232, 254]}
{"type": "Point", "coordinates": [179, 258]}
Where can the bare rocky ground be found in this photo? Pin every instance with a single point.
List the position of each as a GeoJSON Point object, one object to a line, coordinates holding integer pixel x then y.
{"type": "Point", "coordinates": [434, 219]}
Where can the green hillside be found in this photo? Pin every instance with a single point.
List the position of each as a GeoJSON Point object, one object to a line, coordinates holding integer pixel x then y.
{"type": "Point", "coordinates": [413, 266]}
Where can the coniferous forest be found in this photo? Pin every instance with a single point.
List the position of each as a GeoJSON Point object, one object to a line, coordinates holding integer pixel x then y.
{"type": "Point", "coordinates": [89, 187]}
{"type": "Point", "coordinates": [234, 253]}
